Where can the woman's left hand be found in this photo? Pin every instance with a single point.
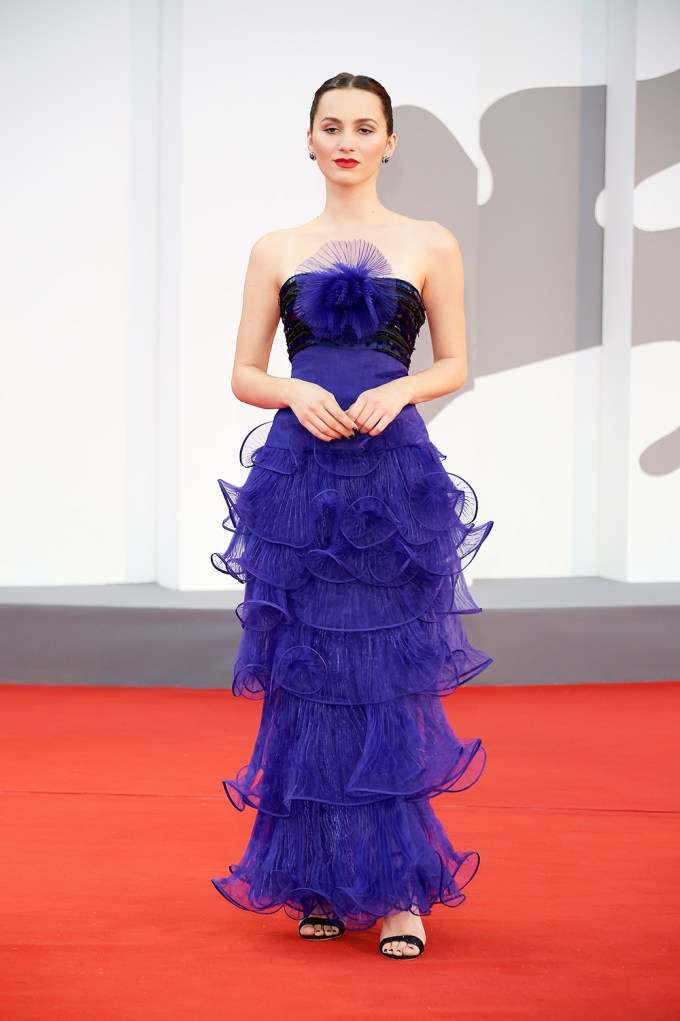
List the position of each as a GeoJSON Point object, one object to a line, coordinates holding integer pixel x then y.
{"type": "Point", "coordinates": [374, 409]}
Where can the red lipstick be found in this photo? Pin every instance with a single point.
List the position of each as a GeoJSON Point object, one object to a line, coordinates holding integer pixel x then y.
{"type": "Point", "coordinates": [347, 163]}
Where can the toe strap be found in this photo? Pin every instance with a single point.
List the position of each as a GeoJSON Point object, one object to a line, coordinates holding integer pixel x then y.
{"type": "Point", "coordinates": [320, 920]}
{"type": "Point", "coordinates": [415, 940]}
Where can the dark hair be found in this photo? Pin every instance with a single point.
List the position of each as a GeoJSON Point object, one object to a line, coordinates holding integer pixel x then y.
{"type": "Point", "coordinates": [345, 80]}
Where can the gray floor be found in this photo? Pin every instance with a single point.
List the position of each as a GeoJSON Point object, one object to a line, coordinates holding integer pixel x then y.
{"type": "Point", "coordinates": [538, 631]}
{"type": "Point", "coordinates": [492, 594]}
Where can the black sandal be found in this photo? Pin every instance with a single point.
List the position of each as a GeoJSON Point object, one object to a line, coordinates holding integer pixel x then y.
{"type": "Point", "coordinates": [415, 940]}
{"type": "Point", "coordinates": [320, 920]}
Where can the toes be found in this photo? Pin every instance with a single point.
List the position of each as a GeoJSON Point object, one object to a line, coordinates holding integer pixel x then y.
{"type": "Point", "coordinates": [399, 948]}
{"type": "Point", "coordinates": [319, 929]}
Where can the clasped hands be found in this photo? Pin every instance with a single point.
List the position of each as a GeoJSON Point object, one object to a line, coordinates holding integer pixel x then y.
{"type": "Point", "coordinates": [318, 411]}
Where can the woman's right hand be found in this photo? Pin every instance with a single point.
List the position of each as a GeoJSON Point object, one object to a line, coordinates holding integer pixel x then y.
{"type": "Point", "coordinates": [318, 411]}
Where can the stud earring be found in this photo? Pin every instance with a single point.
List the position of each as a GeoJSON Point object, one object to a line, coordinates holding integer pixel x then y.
{"type": "Point", "coordinates": [312, 155]}
{"type": "Point", "coordinates": [386, 159]}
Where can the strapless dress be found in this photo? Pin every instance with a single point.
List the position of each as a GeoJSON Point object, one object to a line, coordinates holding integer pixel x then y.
{"type": "Point", "coordinates": [352, 555]}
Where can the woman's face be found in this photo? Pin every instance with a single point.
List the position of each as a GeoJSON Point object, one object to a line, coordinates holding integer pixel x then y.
{"type": "Point", "coordinates": [350, 126]}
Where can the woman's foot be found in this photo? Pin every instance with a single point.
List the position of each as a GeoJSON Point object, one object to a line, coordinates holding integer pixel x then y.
{"type": "Point", "coordinates": [405, 922]}
{"type": "Point", "coordinates": [318, 929]}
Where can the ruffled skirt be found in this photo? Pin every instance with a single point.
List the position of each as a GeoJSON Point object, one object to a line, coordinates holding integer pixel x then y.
{"type": "Point", "coordinates": [351, 553]}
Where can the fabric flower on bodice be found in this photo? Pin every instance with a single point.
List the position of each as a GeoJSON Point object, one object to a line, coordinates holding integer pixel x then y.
{"type": "Point", "coordinates": [346, 290]}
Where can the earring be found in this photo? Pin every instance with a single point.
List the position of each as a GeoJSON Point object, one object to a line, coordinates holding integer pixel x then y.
{"type": "Point", "coordinates": [386, 159]}
{"type": "Point", "coordinates": [312, 155]}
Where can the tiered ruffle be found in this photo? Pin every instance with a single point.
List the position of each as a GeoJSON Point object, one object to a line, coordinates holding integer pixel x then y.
{"type": "Point", "coordinates": [352, 554]}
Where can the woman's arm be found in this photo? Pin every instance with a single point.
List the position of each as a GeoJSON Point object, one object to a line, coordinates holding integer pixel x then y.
{"type": "Point", "coordinates": [443, 298]}
{"type": "Point", "coordinates": [314, 407]}
{"type": "Point", "coordinates": [250, 381]}
{"type": "Point", "coordinates": [444, 301]}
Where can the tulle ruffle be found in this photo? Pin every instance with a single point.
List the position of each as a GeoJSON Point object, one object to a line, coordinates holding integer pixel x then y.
{"type": "Point", "coordinates": [353, 754]}
{"type": "Point", "coordinates": [355, 555]}
{"type": "Point", "coordinates": [352, 554]}
{"type": "Point", "coordinates": [355, 864]}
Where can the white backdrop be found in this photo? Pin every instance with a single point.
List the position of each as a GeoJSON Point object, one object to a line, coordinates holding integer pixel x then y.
{"type": "Point", "coordinates": [148, 144]}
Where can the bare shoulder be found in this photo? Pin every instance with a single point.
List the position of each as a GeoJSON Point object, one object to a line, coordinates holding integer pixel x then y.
{"type": "Point", "coordinates": [442, 257]}
{"type": "Point", "coordinates": [276, 250]}
{"type": "Point", "coordinates": [267, 249]}
{"type": "Point", "coordinates": [433, 248]}
{"type": "Point", "coordinates": [439, 242]}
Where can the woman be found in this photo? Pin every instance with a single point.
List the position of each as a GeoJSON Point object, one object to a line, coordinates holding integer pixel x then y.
{"type": "Point", "coordinates": [350, 537]}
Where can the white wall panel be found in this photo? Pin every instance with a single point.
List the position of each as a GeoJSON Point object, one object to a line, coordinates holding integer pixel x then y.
{"type": "Point", "coordinates": [152, 142]}
{"type": "Point", "coordinates": [653, 547]}
{"type": "Point", "coordinates": [536, 458]}
{"type": "Point", "coordinates": [64, 259]}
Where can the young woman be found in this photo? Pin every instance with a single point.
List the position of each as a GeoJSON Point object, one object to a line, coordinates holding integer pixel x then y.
{"type": "Point", "coordinates": [350, 537]}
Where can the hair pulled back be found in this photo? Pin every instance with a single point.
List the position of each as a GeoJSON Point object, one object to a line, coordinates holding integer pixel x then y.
{"type": "Point", "coordinates": [345, 80]}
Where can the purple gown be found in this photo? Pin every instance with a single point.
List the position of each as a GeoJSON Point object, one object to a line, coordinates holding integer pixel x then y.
{"type": "Point", "coordinates": [351, 552]}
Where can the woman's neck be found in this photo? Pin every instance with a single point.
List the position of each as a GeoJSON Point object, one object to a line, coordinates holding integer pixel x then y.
{"type": "Point", "coordinates": [346, 208]}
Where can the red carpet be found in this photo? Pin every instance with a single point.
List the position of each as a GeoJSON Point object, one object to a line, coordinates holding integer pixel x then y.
{"type": "Point", "coordinates": [114, 820]}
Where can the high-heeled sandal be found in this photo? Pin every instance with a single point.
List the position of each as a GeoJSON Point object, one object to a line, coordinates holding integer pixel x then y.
{"type": "Point", "coordinates": [320, 920]}
{"type": "Point", "coordinates": [415, 940]}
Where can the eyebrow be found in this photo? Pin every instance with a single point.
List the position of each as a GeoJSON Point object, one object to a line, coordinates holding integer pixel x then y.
{"type": "Point", "coordinates": [358, 120]}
